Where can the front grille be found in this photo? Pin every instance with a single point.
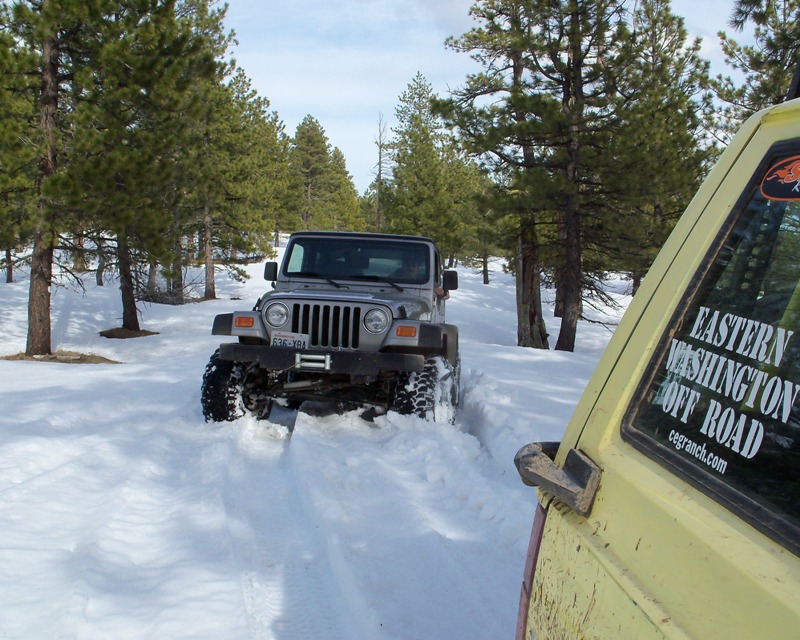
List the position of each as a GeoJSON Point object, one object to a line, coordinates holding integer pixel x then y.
{"type": "Point", "coordinates": [327, 325]}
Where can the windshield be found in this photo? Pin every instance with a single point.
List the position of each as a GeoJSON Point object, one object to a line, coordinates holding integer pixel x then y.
{"type": "Point", "coordinates": [360, 258]}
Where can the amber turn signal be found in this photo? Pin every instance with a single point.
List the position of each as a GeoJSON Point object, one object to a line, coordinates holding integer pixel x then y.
{"type": "Point", "coordinates": [244, 322]}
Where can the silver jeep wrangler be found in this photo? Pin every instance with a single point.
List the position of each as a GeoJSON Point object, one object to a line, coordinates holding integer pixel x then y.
{"type": "Point", "coordinates": [357, 319]}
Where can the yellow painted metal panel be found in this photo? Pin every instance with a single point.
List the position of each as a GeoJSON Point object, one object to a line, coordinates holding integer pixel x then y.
{"type": "Point", "coordinates": [659, 562]}
{"type": "Point", "coordinates": [580, 592]}
{"type": "Point", "coordinates": [656, 558]}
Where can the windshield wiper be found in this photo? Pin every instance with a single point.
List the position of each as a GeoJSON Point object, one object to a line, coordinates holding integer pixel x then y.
{"type": "Point", "coordinates": [311, 274]}
{"type": "Point", "coordinates": [379, 279]}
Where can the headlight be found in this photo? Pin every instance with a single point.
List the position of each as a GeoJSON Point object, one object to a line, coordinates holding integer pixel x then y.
{"type": "Point", "coordinates": [376, 321]}
{"type": "Point", "coordinates": [276, 314]}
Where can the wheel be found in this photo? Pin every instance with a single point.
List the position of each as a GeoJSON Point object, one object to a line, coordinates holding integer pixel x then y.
{"type": "Point", "coordinates": [221, 393]}
{"type": "Point", "coordinates": [432, 393]}
{"type": "Point", "coordinates": [230, 389]}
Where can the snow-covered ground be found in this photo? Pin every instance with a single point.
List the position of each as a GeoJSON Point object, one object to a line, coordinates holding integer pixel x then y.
{"type": "Point", "coordinates": [124, 515]}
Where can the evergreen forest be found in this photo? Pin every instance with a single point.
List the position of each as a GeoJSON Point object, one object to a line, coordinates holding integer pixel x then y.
{"type": "Point", "coordinates": [132, 146]}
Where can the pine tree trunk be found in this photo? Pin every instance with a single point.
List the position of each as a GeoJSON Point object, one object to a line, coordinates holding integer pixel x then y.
{"type": "Point", "coordinates": [558, 305]}
{"type": "Point", "coordinates": [176, 274]}
{"type": "Point", "coordinates": [79, 255]}
{"type": "Point", "coordinates": [152, 279]}
{"type": "Point", "coordinates": [101, 264]}
{"type": "Point", "coordinates": [9, 266]}
{"type": "Point", "coordinates": [531, 329]}
{"type": "Point", "coordinates": [570, 275]}
{"type": "Point", "coordinates": [208, 256]}
{"type": "Point", "coordinates": [636, 282]}
{"type": "Point", "coordinates": [39, 329]}
{"type": "Point", "coordinates": [570, 278]}
{"type": "Point", "coordinates": [130, 317]}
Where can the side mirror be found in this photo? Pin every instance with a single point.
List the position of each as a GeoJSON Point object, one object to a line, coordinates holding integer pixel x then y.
{"type": "Point", "coordinates": [271, 271]}
{"type": "Point", "coordinates": [450, 280]}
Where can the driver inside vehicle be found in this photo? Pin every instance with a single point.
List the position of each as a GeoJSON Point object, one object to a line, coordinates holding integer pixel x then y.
{"type": "Point", "coordinates": [414, 269]}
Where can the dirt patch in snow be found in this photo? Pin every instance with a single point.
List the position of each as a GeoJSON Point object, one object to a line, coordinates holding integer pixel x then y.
{"type": "Point", "coordinates": [68, 357]}
{"type": "Point", "coordinates": [124, 334]}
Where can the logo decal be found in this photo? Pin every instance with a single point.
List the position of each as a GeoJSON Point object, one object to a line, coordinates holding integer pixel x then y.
{"type": "Point", "coordinates": [782, 181]}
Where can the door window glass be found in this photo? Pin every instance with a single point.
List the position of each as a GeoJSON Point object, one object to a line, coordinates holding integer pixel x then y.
{"type": "Point", "coordinates": [722, 404]}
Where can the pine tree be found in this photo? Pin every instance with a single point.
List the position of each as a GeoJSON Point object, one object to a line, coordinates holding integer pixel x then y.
{"type": "Point", "coordinates": [418, 202]}
{"type": "Point", "coordinates": [321, 191]}
{"type": "Point", "coordinates": [488, 130]}
{"type": "Point", "coordinates": [198, 183]}
{"type": "Point", "coordinates": [206, 167]}
{"type": "Point", "coordinates": [18, 161]}
{"type": "Point", "coordinates": [546, 74]}
{"type": "Point", "coordinates": [310, 166]}
{"type": "Point", "coordinates": [234, 174]}
{"type": "Point", "coordinates": [256, 188]}
{"type": "Point", "coordinates": [343, 212]}
{"type": "Point", "coordinates": [576, 46]}
{"type": "Point", "coordinates": [432, 191]}
{"type": "Point", "coordinates": [133, 107]}
{"type": "Point", "coordinates": [46, 39]}
{"type": "Point", "coordinates": [268, 176]}
{"type": "Point", "coordinates": [767, 66]}
{"type": "Point", "coordinates": [659, 149]}
{"type": "Point", "coordinates": [467, 188]}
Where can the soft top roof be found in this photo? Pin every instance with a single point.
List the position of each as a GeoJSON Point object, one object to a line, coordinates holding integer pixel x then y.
{"type": "Point", "coordinates": [358, 234]}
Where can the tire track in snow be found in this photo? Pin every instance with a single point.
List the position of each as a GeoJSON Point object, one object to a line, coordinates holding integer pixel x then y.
{"type": "Point", "coordinates": [291, 585]}
{"type": "Point", "coordinates": [405, 504]}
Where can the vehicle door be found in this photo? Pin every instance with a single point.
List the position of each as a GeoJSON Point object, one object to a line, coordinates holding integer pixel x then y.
{"type": "Point", "coordinates": [685, 448]}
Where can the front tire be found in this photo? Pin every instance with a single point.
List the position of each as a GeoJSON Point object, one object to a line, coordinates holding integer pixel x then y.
{"type": "Point", "coordinates": [232, 389]}
{"type": "Point", "coordinates": [432, 393]}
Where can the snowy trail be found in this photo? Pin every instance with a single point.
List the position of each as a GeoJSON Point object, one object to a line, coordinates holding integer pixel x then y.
{"type": "Point", "coordinates": [298, 507]}
{"type": "Point", "coordinates": [417, 479]}
{"type": "Point", "coordinates": [292, 586]}
{"type": "Point", "coordinates": [124, 515]}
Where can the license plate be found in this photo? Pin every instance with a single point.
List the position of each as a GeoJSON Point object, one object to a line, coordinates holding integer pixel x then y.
{"type": "Point", "coordinates": [291, 340]}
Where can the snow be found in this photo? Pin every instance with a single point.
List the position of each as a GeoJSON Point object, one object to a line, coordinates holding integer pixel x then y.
{"type": "Point", "coordinates": [125, 515]}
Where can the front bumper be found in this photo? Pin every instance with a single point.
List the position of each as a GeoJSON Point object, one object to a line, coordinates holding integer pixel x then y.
{"type": "Point", "coordinates": [346, 362]}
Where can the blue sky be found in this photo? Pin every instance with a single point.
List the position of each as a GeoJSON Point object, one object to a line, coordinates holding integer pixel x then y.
{"type": "Point", "coordinates": [346, 62]}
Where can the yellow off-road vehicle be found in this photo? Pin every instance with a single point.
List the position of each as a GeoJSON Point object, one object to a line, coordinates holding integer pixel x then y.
{"type": "Point", "coordinates": [671, 508]}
